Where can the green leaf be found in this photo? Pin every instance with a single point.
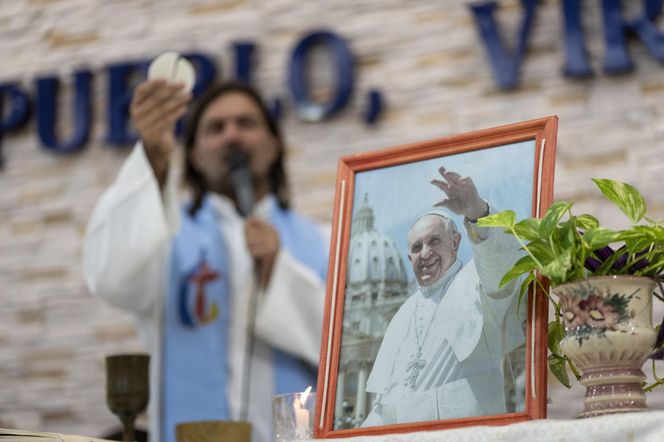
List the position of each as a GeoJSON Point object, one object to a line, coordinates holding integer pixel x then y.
{"type": "Point", "coordinates": [654, 268]}
{"type": "Point", "coordinates": [505, 219]}
{"type": "Point", "coordinates": [542, 250]}
{"type": "Point", "coordinates": [612, 190]}
{"type": "Point", "coordinates": [523, 265]}
{"type": "Point", "coordinates": [565, 236]}
{"type": "Point", "coordinates": [557, 269]}
{"type": "Point", "coordinates": [639, 238]}
{"type": "Point", "coordinates": [605, 268]}
{"type": "Point", "coordinates": [656, 233]}
{"type": "Point", "coordinates": [625, 197]}
{"type": "Point", "coordinates": [600, 237]}
{"type": "Point", "coordinates": [556, 334]}
{"type": "Point", "coordinates": [635, 204]}
{"type": "Point", "coordinates": [586, 221]}
{"type": "Point", "coordinates": [635, 245]}
{"type": "Point", "coordinates": [557, 367]}
{"type": "Point", "coordinates": [553, 215]}
{"type": "Point", "coordinates": [528, 228]}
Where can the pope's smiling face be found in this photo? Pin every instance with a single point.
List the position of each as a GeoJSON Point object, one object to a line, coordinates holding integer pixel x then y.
{"type": "Point", "coordinates": [432, 249]}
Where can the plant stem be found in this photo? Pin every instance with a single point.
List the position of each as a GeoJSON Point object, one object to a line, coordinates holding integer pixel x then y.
{"type": "Point", "coordinates": [573, 368]}
{"type": "Point", "coordinates": [631, 260]}
{"type": "Point", "coordinates": [549, 297]}
{"type": "Point", "coordinates": [525, 247]}
{"type": "Point", "coordinates": [648, 269]}
{"type": "Point", "coordinates": [658, 381]}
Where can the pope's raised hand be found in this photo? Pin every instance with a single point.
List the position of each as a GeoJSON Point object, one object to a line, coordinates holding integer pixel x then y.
{"type": "Point", "coordinates": [462, 196]}
{"type": "Point", "coordinates": [155, 108]}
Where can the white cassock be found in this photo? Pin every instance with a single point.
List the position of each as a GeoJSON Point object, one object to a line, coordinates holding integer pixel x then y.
{"type": "Point", "coordinates": [126, 256]}
{"type": "Point", "coordinates": [442, 353]}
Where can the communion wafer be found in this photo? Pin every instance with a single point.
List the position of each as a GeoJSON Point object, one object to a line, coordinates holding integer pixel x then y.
{"type": "Point", "coordinates": [173, 67]}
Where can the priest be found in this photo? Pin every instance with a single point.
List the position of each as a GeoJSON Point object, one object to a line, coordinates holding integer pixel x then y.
{"type": "Point", "coordinates": [226, 288]}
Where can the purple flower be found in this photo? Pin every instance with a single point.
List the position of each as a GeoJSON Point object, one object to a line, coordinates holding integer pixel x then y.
{"type": "Point", "coordinates": [658, 355]}
{"type": "Point", "coordinates": [660, 335]}
{"type": "Point", "coordinates": [640, 264]}
{"type": "Point", "coordinates": [604, 253]}
{"type": "Point", "coordinates": [593, 263]}
{"type": "Point", "coordinates": [620, 262]}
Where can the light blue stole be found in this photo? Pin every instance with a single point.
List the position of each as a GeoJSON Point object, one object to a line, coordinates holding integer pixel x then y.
{"type": "Point", "coordinates": [302, 238]}
{"type": "Point", "coordinates": [195, 345]}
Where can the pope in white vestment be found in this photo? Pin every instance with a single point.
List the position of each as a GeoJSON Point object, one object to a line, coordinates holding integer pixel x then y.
{"type": "Point", "coordinates": [442, 353]}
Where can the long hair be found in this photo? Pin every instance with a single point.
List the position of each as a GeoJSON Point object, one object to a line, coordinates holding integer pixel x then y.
{"type": "Point", "coordinates": [194, 178]}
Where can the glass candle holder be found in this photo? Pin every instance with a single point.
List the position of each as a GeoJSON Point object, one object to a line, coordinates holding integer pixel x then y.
{"type": "Point", "coordinates": [293, 416]}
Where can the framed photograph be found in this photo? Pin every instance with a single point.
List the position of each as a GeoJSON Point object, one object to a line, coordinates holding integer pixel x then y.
{"type": "Point", "coordinates": [418, 333]}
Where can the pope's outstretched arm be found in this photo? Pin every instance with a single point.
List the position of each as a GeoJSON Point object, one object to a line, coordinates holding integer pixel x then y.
{"type": "Point", "coordinates": [494, 252]}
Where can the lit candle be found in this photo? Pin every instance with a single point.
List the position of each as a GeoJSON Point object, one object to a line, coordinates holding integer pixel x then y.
{"type": "Point", "coordinates": [302, 430]}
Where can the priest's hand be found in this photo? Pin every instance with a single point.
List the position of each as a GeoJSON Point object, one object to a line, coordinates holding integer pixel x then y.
{"type": "Point", "coordinates": [155, 108]}
{"type": "Point", "coordinates": [263, 245]}
{"type": "Point", "coordinates": [462, 196]}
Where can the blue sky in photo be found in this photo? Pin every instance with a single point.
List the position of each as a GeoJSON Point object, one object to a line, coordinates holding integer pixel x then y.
{"type": "Point", "coordinates": [400, 194]}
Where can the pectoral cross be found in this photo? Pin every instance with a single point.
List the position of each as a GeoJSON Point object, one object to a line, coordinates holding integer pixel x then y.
{"type": "Point", "coordinates": [414, 367]}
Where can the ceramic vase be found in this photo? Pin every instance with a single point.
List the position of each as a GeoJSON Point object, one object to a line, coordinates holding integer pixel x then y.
{"type": "Point", "coordinates": [608, 336]}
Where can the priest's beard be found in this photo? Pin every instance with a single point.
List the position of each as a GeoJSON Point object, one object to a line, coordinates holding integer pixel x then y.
{"type": "Point", "coordinates": [223, 185]}
{"type": "Point", "coordinates": [215, 169]}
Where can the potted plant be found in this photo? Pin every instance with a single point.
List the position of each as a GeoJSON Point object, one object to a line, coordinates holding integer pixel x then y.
{"type": "Point", "coordinates": [602, 283]}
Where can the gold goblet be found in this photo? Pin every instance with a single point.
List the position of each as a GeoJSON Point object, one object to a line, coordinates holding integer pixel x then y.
{"type": "Point", "coordinates": [127, 388]}
{"type": "Point", "coordinates": [213, 431]}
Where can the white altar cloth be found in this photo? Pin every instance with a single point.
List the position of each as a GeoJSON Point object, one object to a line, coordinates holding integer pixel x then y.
{"type": "Point", "coordinates": [628, 427]}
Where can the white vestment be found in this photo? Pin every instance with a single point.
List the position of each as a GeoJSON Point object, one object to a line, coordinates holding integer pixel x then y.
{"type": "Point", "coordinates": [126, 253]}
{"type": "Point", "coordinates": [463, 330]}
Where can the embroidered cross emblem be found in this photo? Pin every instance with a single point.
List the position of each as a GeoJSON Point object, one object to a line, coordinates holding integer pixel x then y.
{"type": "Point", "coordinates": [204, 275]}
{"type": "Point", "coordinates": [414, 367]}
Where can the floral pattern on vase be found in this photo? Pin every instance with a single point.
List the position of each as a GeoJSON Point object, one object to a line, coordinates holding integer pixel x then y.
{"type": "Point", "coordinates": [608, 336]}
{"type": "Point", "coordinates": [589, 312]}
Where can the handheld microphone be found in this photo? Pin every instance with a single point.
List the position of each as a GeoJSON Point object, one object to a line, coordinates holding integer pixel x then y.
{"type": "Point", "coordinates": [240, 175]}
{"type": "Point", "coordinates": [238, 164]}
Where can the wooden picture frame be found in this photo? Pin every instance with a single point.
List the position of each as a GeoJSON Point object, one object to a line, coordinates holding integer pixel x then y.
{"type": "Point", "coordinates": [377, 233]}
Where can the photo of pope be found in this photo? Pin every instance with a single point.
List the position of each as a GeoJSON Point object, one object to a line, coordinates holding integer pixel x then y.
{"type": "Point", "coordinates": [444, 353]}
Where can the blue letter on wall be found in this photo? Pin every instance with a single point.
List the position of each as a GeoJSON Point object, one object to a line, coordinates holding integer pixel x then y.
{"type": "Point", "coordinates": [206, 72]}
{"type": "Point", "coordinates": [307, 108]}
{"type": "Point", "coordinates": [120, 93]}
{"type": "Point", "coordinates": [576, 55]}
{"type": "Point", "coordinates": [17, 116]}
{"type": "Point", "coordinates": [244, 52]}
{"type": "Point", "coordinates": [119, 97]}
{"type": "Point", "coordinates": [505, 66]}
{"type": "Point", "coordinates": [47, 93]}
{"type": "Point", "coordinates": [205, 69]}
{"type": "Point", "coordinates": [617, 59]}
{"type": "Point", "coordinates": [20, 107]}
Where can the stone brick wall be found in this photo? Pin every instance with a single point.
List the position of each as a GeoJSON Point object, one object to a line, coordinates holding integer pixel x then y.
{"type": "Point", "coordinates": [423, 55]}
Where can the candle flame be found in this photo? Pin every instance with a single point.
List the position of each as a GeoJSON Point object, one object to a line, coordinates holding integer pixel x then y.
{"type": "Point", "coordinates": [304, 396]}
